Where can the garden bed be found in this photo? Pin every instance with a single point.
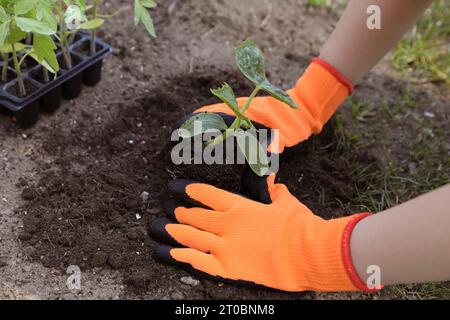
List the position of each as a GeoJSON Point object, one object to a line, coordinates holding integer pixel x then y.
{"type": "Point", "coordinates": [90, 210]}
{"type": "Point", "coordinates": [96, 156]}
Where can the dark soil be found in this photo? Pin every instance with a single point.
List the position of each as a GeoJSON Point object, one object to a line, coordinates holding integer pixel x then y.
{"type": "Point", "coordinates": [15, 90]}
{"type": "Point", "coordinates": [85, 48]}
{"type": "Point", "coordinates": [38, 75]}
{"type": "Point", "coordinates": [62, 61]}
{"type": "Point", "coordinates": [87, 209]}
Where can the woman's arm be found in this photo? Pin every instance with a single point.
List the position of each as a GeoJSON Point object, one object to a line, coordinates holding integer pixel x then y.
{"type": "Point", "coordinates": [410, 242]}
{"type": "Point", "coordinates": [354, 49]}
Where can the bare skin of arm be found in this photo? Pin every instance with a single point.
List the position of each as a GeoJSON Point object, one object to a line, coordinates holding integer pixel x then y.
{"type": "Point", "coordinates": [410, 242]}
{"type": "Point", "coordinates": [354, 49]}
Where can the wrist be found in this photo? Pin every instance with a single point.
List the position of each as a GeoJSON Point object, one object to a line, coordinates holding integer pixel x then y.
{"type": "Point", "coordinates": [319, 92]}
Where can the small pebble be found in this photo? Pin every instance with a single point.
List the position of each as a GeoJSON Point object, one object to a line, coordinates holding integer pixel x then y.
{"type": "Point", "coordinates": [25, 236]}
{"type": "Point", "coordinates": [29, 194]}
{"type": "Point", "coordinates": [190, 281]}
{"type": "Point", "coordinates": [115, 261]}
{"type": "Point", "coordinates": [3, 261]}
{"type": "Point", "coordinates": [428, 114]}
{"type": "Point", "coordinates": [154, 210]}
{"type": "Point", "coordinates": [99, 259]}
{"type": "Point", "coordinates": [177, 295]}
{"type": "Point", "coordinates": [144, 196]}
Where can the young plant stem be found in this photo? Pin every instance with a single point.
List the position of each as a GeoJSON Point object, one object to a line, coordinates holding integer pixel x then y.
{"type": "Point", "coordinates": [71, 38]}
{"type": "Point", "coordinates": [22, 89]}
{"type": "Point", "coordinates": [63, 38]}
{"type": "Point", "coordinates": [5, 58]}
{"type": "Point", "coordinates": [28, 39]}
{"type": "Point", "coordinates": [250, 98]}
{"type": "Point", "coordinates": [93, 34]}
{"type": "Point", "coordinates": [45, 75]}
{"type": "Point", "coordinates": [238, 121]}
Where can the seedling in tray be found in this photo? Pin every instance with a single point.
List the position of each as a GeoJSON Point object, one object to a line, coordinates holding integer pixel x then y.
{"type": "Point", "coordinates": [250, 62]}
{"type": "Point", "coordinates": [54, 33]}
{"type": "Point", "coordinates": [96, 20]}
{"type": "Point", "coordinates": [18, 20]}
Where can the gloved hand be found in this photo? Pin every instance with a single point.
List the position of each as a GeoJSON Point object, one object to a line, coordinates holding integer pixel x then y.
{"type": "Point", "coordinates": [318, 92]}
{"type": "Point", "coordinates": [281, 245]}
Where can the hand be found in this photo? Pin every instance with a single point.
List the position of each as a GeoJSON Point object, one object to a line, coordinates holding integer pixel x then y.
{"type": "Point", "coordinates": [229, 238]}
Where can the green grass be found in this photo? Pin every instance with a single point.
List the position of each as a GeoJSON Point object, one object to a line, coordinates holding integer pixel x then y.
{"type": "Point", "coordinates": [329, 4]}
{"type": "Point", "coordinates": [424, 54]}
{"type": "Point", "coordinates": [428, 291]}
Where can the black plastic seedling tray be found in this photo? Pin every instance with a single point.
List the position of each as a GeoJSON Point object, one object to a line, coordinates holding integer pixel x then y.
{"type": "Point", "coordinates": [67, 84]}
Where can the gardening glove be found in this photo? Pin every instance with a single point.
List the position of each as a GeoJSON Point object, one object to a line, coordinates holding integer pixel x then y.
{"type": "Point", "coordinates": [229, 238]}
{"type": "Point", "coordinates": [318, 93]}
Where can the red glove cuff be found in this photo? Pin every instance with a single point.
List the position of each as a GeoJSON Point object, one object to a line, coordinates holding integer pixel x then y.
{"type": "Point", "coordinates": [336, 73]}
{"type": "Point", "coordinates": [347, 256]}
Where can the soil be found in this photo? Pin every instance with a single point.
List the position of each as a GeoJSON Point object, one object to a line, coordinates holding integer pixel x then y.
{"type": "Point", "coordinates": [62, 61]}
{"type": "Point", "coordinates": [85, 48]}
{"type": "Point", "coordinates": [38, 75]}
{"type": "Point", "coordinates": [82, 186]}
{"type": "Point", "coordinates": [27, 64]}
{"type": "Point", "coordinates": [15, 89]}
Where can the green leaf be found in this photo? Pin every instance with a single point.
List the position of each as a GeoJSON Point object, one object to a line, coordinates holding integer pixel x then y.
{"type": "Point", "coordinates": [201, 122]}
{"type": "Point", "coordinates": [250, 61]}
{"type": "Point", "coordinates": [7, 48]}
{"type": "Point", "coordinates": [226, 94]}
{"type": "Point", "coordinates": [137, 13]}
{"type": "Point", "coordinates": [3, 15]}
{"type": "Point", "coordinates": [150, 4]}
{"type": "Point", "coordinates": [24, 6]}
{"type": "Point", "coordinates": [141, 14]}
{"type": "Point", "coordinates": [15, 34]}
{"type": "Point", "coordinates": [45, 14]}
{"type": "Point", "coordinates": [32, 25]}
{"type": "Point", "coordinates": [253, 151]}
{"type": "Point", "coordinates": [92, 24]}
{"type": "Point", "coordinates": [82, 4]}
{"type": "Point", "coordinates": [44, 63]}
{"type": "Point", "coordinates": [4, 29]}
{"type": "Point", "coordinates": [278, 94]}
{"type": "Point", "coordinates": [44, 49]}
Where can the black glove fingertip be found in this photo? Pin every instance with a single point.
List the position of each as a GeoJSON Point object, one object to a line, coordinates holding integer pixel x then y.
{"type": "Point", "coordinates": [159, 232]}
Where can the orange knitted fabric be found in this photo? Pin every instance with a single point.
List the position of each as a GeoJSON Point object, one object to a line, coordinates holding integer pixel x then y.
{"type": "Point", "coordinates": [281, 245]}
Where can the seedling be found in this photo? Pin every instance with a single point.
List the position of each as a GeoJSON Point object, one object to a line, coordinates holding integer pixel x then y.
{"type": "Point", "coordinates": [76, 17]}
{"type": "Point", "coordinates": [141, 14]}
{"type": "Point", "coordinates": [18, 21]}
{"type": "Point", "coordinates": [250, 62]}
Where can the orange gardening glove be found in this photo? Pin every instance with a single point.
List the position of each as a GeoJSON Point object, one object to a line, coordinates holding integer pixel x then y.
{"type": "Point", "coordinates": [318, 93]}
{"type": "Point", "coordinates": [281, 245]}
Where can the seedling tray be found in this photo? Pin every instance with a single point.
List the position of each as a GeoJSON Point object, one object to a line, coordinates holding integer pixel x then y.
{"type": "Point", "coordinates": [67, 84]}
